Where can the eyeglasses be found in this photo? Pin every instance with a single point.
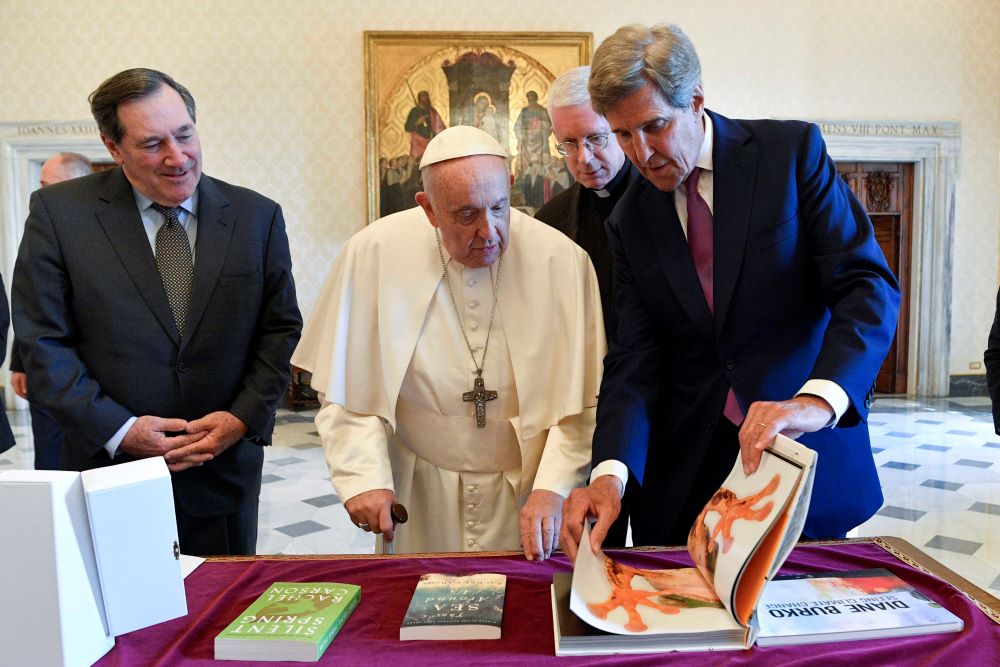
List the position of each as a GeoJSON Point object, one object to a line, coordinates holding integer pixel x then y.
{"type": "Point", "coordinates": [593, 143]}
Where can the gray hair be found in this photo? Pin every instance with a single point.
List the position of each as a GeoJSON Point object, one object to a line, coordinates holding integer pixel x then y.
{"type": "Point", "coordinates": [570, 88]}
{"type": "Point", "coordinates": [76, 165]}
{"type": "Point", "coordinates": [636, 55]}
{"type": "Point", "coordinates": [125, 86]}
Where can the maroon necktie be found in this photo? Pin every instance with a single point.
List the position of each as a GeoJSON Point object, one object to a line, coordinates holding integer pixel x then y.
{"type": "Point", "coordinates": [699, 232]}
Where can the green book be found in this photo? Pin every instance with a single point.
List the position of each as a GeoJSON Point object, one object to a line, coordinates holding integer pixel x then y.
{"type": "Point", "coordinates": [290, 621]}
{"type": "Point", "coordinates": [455, 607]}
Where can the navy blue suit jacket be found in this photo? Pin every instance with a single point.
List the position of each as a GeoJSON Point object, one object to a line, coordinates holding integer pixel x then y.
{"type": "Point", "coordinates": [802, 291]}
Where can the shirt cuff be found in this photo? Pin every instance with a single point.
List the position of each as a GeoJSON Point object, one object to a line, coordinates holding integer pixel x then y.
{"type": "Point", "coordinates": [832, 393]}
{"type": "Point", "coordinates": [111, 446]}
{"type": "Point", "coordinates": [611, 467]}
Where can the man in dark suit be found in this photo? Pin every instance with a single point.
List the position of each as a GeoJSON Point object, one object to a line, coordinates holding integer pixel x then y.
{"type": "Point", "coordinates": [45, 432]}
{"type": "Point", "coordinates": [751, 299]}
{"type": "Point", "coordinates": [157, 310]}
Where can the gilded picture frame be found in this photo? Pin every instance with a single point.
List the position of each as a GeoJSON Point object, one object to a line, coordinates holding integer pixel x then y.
{"type": "Point", "coordinates": [418, 83]}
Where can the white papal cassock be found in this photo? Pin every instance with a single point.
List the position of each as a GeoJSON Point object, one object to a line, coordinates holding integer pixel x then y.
{"type": "Point", "coordinates": [387, 356]}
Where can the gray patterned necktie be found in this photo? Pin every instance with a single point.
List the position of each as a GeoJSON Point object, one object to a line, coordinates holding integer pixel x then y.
{"type": "Point", "coordinates": [173, 259]}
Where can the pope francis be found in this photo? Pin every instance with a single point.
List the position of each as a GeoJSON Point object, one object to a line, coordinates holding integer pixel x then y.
{"type": "Point", "coordinates": [458, 363]}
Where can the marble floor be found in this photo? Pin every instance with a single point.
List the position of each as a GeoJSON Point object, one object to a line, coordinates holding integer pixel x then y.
{"type": "Point", "coordinates": [938, 459]}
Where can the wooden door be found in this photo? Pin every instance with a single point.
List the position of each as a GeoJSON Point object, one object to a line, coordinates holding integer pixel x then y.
{"type": "Point", "coordinates": [886, 191]}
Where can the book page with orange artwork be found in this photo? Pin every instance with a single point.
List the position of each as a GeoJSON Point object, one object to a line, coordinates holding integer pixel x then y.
{"type": "Point", "coordinates": [621, 599]}
{"type": "Point", "coordinates": [738, 542]}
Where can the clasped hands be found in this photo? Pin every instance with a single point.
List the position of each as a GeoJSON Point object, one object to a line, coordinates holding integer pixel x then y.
{"type": "Point", "coordinates": [183, 444]}
{"type": "Point", "coordinates": [540, 519]}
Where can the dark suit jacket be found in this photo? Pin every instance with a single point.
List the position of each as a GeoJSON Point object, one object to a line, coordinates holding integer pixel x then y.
{"type": "Point", "coordinates": [802, 291]}
{"type": "Point", "coordinates": [568, 213]}
{"type": "Point", "coordinates": [100, 342]}
{"type": "Point", "coordinates": [16, 366]}
{"type": "Point", "coordinates": [6, 436]}
{"type": "Point", "coordinates": [992, 359]}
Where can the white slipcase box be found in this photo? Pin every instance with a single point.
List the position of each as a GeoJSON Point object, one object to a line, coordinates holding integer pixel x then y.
{"type": "Point", "coordinates": [131, 508]}
{"type": "Point", "coordinates": [51, 605]}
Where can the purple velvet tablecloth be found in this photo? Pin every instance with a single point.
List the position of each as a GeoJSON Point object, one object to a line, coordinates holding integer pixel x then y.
{"type": "Point", "coordinates": [220, 589]}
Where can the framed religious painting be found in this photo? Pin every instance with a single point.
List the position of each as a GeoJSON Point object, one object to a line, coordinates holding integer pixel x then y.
{"type": "Point", "coordinates": [419, 83]}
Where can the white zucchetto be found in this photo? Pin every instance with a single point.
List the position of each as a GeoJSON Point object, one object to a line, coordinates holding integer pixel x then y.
{"type": "Point", "coordinates": [460, 141]}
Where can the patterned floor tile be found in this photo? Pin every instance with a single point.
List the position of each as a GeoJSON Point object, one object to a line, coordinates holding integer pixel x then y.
{"type": "Point", "coordinates": [985, 508]}
{"type": "Point", "coordinates": [973, 463]}
{"type": "Point", "coordinates": [287, 461]}
{"type": "Point", "coordinates": [941, 484]}
{"type": "Point", "coordinates": [898, 465]}
{"type": "Point", "coordinates": [967, 547]}
{"type": "Point", "coordinates": [903, 513]}
{"type": "Point", "coordinates": [323, 501]}
{"type": "Point", "coordinates": [301, 528]}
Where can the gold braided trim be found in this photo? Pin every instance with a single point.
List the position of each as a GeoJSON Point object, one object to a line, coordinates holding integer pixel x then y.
{"type": "Point", "coordinates": [991, 613]}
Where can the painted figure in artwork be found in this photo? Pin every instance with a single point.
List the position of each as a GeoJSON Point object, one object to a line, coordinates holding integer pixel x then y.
{"type": "Point", "coordinates": [532, 130]}
{"type": "Point", "coordinates": [423, 123]}
{"type": "Point", "coordinates": [703, 546]}
{"type": "Point", "coordinates": [674, 590]}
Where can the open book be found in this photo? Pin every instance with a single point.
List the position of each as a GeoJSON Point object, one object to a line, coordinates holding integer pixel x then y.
{"type": "Point", "coordinates": [737, 543]}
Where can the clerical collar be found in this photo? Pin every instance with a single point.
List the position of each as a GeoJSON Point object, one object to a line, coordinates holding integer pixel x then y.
{"type": "Point", "coordinates": [609, 189]}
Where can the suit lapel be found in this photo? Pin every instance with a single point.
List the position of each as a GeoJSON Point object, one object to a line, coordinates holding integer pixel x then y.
{"type": "Point", "coordinates": [215, 230]}
{"type": "Point", "coordinates": [660, 216]}
{"type": "Point", "coordinates": [734, 171]}
{"type": "Point", "coordinates": [120, 220]}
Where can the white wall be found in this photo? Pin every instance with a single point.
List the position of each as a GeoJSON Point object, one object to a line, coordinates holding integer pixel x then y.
{"type": "Point", "coordinates": [279, 86]}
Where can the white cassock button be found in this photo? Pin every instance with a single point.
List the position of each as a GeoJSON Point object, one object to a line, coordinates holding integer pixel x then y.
{"type": "Point", "coordinates": [471, 543]}
{"type": "Point", "coordinates": [470, 283]}
{"type": "Point", "coordinates": [473, 326]}
{"type": "Point", "coordinates": [470, 506]}
{"type": "Point", "coordinates": [473, 305]}
{"type": "Point", "coordinates": [470, 524]}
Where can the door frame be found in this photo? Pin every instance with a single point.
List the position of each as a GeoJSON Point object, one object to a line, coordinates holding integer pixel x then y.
{"type": "Point", "coordinates": [934, 148]}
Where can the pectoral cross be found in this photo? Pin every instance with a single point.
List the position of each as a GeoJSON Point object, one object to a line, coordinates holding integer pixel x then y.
{"type": "Point", "coordinates": [479, 395]}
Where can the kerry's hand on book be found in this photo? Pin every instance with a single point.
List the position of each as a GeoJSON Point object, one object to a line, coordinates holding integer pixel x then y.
{"type": "Point", "coordinates": [601, 499]}
{"type": "Point", "coordinates": [766, 419]}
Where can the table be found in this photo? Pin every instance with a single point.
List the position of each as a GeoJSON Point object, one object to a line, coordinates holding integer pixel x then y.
{"type": "Point", "coordinates": [223, 587]}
